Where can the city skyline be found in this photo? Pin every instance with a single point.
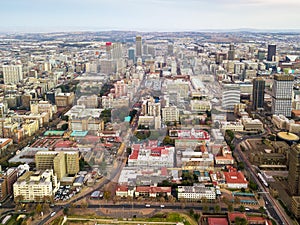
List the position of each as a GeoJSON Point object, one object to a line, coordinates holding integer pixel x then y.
{"type": "Point", "coordinates": [150, 15]}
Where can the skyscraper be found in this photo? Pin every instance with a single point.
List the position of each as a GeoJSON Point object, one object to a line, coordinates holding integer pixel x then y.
{"type": "Point", "coordinates": [12, 74]}
{"type": "Point", "coordinates": [138, 46]}
{"type": "Point", "coordinates": [271, 52]}
{"type": "Point", "coordinates": [231, 52]}
{"type": "Point", "coordinates": [131, 54]}
{"type": "Point", "coordinates": [294, 170]}
{"type": "Point", "coordinates": [231, 95]}
{"type": "Point", "coordinates": [258, 93]}
{"type": "Point", "coordinates": [116, 51]}
{"type": "Point", "coordinates": [282, 95]}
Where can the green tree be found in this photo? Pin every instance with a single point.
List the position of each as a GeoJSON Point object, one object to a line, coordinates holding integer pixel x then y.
{"type": "Point", "coordinates": [66, 210]}
{"type": "Point", "coordinates": [168, 141]}
{"type": "Point", "coordinates": [262, 210]}
{"type": "Point", "coordinates": [242, 208]}
{"type": "Point", "coordinates": [65, 126]}
{"type": "Point", "coordinates": [38, 209]}
{"type": "Point", "coordinates": [191, 212]}
{"type": "Point", "coordinates": [253, 186]}
{"type": "Point", "coordinates": [230, 208]}
{"type": "Point", "coordinates": [240, 221]}
{"type": "Point", "coordinates": [217, 208]}
{"type": "Point", "coordinates": [205, 208]}
{"type": "Point", "coordinates": [107, 195]}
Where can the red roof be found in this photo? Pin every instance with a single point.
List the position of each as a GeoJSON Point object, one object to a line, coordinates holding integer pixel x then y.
{"type": "Point", "coordinates": [193, 134]}
{"type": "Point", "coordinates": [122, 188]}
{"type": "Point", "coordinates": [153, 189]}
{"type": "Point", "coordinates": [65, 144]}
{"type": "Point", "coordinates": [233, 215]}
{"type": "Point", "coordinates": [164, 171]}
{"type": "Point", "coordinates": [235, 177]}
{"type": "Point", "coordinates": [217, 221]}
{"type": "Point", "coordinates": [92, 138]}
{"type": "Point", "coordinates": [134, 154]}
{"type": "Point", "coordinates": [258, 220]}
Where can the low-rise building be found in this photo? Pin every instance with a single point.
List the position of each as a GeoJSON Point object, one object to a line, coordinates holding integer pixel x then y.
{"type": "Point", "coordinates": [64, 99]}
{"type": "Point", "coordinates": [252, 125]}
{"type": "Point", "coordinates": [235, 179]}
{"type": "Point", "coordinates": [144, 156]}
{"type": "Point", "coordinates": [296, 206]}
{"type": "Point", "coordinates": [234, 126]}
{"type": "Point", "coordinates": [152, 192]}
{"type": "Point", "coordinates": [196, 192]}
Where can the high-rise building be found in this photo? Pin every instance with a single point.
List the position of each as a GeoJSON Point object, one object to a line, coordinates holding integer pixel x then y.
{"type": "Point", "coordinates": [170, 49]}
{"type": "Point", "coordinates": [116, 51]}
{"type": "Point", "coordinates": [231, 95]}
{"type": "Point", "coordinates": [61, 162]}
{"type": "Point", "coordinates": [12, 74]}
{"type": "Point", "coordinates": [271, 52]}
{"type": "Point", "coordinates": [231, 52]}
{"type": "Point", "coordinates": [282, 90]}
{"type": "Point", "coordinates": [108, 46]}
{"type": "Point", "coordinates": [131, 54]}
{"type": "Point", "coordinates": [36, 186]}
{"type": "Point", "coordinates": [138, 46]}
{"type": "Point", "coordinates": [258, 93]}
{"type": "Point", "coordinates": [294, 170]}
{"type": "Point", "coordinates": [261, 54]}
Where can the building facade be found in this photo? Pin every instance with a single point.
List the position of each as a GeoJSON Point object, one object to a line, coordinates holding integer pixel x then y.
{"type": "Point", "coordinates": [282, 95]}
{"type": "Point", "coordinates": [258, 93]}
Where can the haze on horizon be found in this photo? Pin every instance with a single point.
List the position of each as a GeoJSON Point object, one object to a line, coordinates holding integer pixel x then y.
{"type": "Point", "coordinates": [147, 15]}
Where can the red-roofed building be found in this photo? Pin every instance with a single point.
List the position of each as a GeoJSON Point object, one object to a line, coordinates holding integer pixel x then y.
{"type": "Point", "coordinates": [235, 180]}
{"type": "Point", "coordinates": [258, 220]}
{"type": "Point", "coordinates": [217, 221]}
{"type": "Point", "coordinates": [65, 144]}
{"type": "Point", "coordinates": [122, 191]}
{"type": "Point", "coordinates": [152, 191]}
{"type": "Point", "coordinates": [233, 215]}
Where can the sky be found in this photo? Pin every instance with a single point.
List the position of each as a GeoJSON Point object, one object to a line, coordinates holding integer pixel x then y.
{"type": "Point", "coordinates": [148, 15]}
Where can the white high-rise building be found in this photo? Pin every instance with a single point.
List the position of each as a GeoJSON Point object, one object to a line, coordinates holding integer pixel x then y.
{"type": "Point", "coordinates": [12, 74]}
{"type": "Point", "coordinates": [282, 91]}
{"type": "Point", "coordinates": [35, 186]}
{"type": "Point", "coordinates": [116, 51]}
{"type": "Point", "coordinates": [231, 95]}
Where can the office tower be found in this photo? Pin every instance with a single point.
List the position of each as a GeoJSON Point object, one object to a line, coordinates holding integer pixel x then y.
{"type": "Point", "coordinates": [145, 49]}
{"type": "Point", "coordinates": [231, 95]}
{"type": "Point", "coordinates": [282, 91]}
{"type": "Point", "coordinates": [116, 51]}
{"type": "Point", "coordinates": [62, 163]}
{"type": "Point", "coordinates": [271, 52]}
{"type": "Point", "coordinates": [12, 74]}
{"type": "Point", "coordinates": [258, 93]}
{"type": "Point", "coordinates": [138, 46]}
{"type": "Point", "coordinates": [261, 54]}
{"type": "Point", "coordinates": [151, 50]}
{"type": "Point", "coordinates": [170, 49]}
{"type": "Point", "coordinates": [231, 52]}
{"type": "Point", "coordinates": [108, 46]}
{"type": "Point", "coordinates": [294, 170]}
{"type": "Point", "coordinates": [131, 54]}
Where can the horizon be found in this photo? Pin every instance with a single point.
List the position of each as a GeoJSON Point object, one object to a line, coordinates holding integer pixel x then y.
{"type": "Point", "coordinates": [148, 15]}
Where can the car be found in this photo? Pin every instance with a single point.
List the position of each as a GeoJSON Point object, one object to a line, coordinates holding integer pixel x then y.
{"type": "Point", "coordinates": [52, 214]}
{"type": "Point", "coordinates": [247, 209]}
{"type": "Point", "coordinates": [162, 206]}
{"type": "Point", "coordinates": [148, 205]}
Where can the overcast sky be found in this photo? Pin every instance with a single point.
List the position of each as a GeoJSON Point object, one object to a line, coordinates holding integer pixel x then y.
{"type": "Point", "coordinates": [148, 15]}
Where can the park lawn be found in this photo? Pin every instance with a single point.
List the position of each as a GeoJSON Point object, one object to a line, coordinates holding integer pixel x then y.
{"type": "Point", "coordinates": [170, 217]}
